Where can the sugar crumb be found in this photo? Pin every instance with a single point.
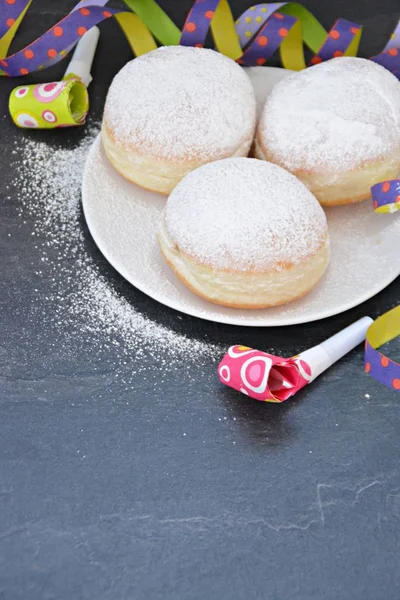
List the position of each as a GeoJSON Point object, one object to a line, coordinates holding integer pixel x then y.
{"type": "Point", "coordinates": [79, 298]}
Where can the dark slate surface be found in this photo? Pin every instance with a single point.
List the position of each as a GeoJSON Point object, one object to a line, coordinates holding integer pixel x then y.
{"type": "Point", "coordinates": [101, 494]}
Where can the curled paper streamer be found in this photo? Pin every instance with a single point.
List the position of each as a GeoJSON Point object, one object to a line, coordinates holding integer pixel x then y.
{"type": "Point", "coordinates": [386, 196]}
{"type": "Point", "coordinates": [49, 105]}
{"type": "Point", "coordinates": [264, 28]}
{"type": "Point", "coordinates": [380, 367]}
{"type": "Point", "coordinates": [270, 378]}
{"type": "Point", "coordinates": [255, 36]}
{"type": "Point", "coordinates": [53, 45]}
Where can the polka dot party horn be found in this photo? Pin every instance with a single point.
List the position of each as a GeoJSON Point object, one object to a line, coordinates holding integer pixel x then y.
{"type": "Point", "coordinates": [62, 103]}
{"type": "Point", "coordinates": [270, 378]}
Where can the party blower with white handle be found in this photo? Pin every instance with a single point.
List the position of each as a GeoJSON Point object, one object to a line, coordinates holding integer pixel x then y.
{"type": "Point", "coordinates": [59, 103]}
{"type": "Point", "coordinates": [271, 378]}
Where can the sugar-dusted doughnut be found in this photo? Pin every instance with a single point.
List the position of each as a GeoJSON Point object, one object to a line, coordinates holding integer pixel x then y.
{"type": "Point", "coordinates": [245, 233]}
{"type": "Point", "coordinates": [174, 109]}
{"type": "Point", "coordinates": [336, 126]}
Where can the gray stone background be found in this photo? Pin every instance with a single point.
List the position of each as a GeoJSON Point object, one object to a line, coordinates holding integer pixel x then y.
{"type": "Point", "coordinates": [144, 477]}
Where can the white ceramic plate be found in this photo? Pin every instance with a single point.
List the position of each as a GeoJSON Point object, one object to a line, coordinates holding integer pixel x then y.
{"type": "Point", "coordinates": [123, 220]}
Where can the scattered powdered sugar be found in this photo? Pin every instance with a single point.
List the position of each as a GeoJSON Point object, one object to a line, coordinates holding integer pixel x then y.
{"type": "Point", "coordinates": [245, 214]}
{"type": "Point", "coordinates": [48, 185]}
{"type": "Point", "coordinates": [179, 102]}
{"type": "Point", "coordinates": [335, 115]}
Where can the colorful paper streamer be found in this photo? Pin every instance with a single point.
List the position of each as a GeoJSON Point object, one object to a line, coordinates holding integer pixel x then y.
{"type": "Point", "coordinates": [379, 366]}
{"type": "Point", "coordinates": [52, 46]}
{"type": "Point", "coordinates": [271, 378]}
{"type": "Point", "coordinates": [386, 196]}
{"type": "Point", "coordinates": [252, 40]}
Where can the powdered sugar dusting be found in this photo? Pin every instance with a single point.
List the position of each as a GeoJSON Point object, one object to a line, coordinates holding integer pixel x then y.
{"type": "Point", "coordinates": [179, 102]}
{"type": "Point", "coordinates": [245, 214]}
{"type": "Point", "coordinates": [335, 115]}
{"type": "Point", "coordinates": [82, 299]}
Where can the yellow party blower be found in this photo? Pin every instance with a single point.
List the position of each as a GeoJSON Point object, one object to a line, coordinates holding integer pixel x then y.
{"type": "Point", "coordinates": [61, 103]}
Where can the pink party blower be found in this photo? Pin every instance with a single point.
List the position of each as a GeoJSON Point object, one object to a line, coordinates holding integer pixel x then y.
{"type": "Point", "coordinates": [270, 378]}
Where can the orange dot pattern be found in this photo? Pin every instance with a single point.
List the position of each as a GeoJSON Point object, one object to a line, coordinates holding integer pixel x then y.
{"type": "Point", "coordinates": [270, 33]}
{"type": "Point", "coordinates": [257, 23]}
{"type": "Point", "coordinates": [55, 43]}
{"type": "Point", "coordinates": [386, 196]}
{"type": "Point", "coordinates": [337, 41]}
{"type": "Point", "coordinates": [381, 367]}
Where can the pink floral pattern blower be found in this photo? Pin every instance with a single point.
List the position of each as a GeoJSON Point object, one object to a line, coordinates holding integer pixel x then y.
{"type": "Point", "coordinates": [270, 378]}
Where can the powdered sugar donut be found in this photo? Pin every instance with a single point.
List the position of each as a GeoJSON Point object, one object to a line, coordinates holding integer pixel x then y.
{"type": "Point", "coordinates": [336, 126]}
{"type": "Point", "coordinates": [174, 109]}
{"type": "Point", "coordinates": [245, 233]}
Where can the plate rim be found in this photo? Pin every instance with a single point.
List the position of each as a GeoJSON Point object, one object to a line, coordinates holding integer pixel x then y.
{"type": "Point", "coordinates": [226, 320]}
